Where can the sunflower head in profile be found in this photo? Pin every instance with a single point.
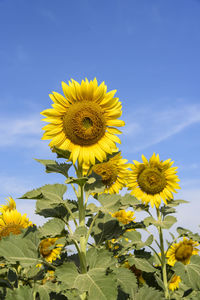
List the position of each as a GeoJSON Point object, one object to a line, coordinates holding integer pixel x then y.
{"type": "Point", "coordinates": [153, 180]}
{"type": "Point", "coordinates": [13, 222]}
{"type": "Point", "coordinates": [123, 216]}
{"type": "Point", "coordinates": [11, 205]}
{"type": "Point", "coordinates": [182, 251]}
{"type": "Point", "coordinates": [174, 282]}
{"type": "Point", "coordinates": [49, 249]}
{"type": "Point", "coordinates": [137, 272]}
{"type": "Point", "coordinates": [114, 173]}
{"type": "Point", "coordinates": [83, 121]}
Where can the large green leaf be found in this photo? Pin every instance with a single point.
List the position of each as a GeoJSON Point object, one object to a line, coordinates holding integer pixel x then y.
{"type": "Point", "coordinates": [148, 293]}
{"type": "Point", "coordinates": [165, 224]}
{"type": "Point", "coordinates": [21, 293]}
{"type": "Point", "coordinates": [110, 203]}
{"type": "Point", "coordinates": [52, 228]}
{"type": "Point", "coordinates": [53, 167]}
{"type": "Point", "coordinates": [190, 274]}
{"type": "Point", "coordinates": [105, 228]}
{"type": "Point", "coordinates": [98, 285]}
{"type": "Point", "coordinates": [126, 280]}
{"type": "Point", "coordinates": [129, 201]}
{"type": "Point", "coordinates": [21, 248]}
{"type": "Point", "coordinates": [100, 258]}
{"type": "Point", "coordinates": [141, 264]}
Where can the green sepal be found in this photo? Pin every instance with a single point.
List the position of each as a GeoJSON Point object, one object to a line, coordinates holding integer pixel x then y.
{"type": "Point", "coordinates": [186, 232]}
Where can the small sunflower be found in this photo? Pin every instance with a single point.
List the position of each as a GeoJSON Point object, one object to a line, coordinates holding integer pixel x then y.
{"type": "Point", "coordinates": [83, 121]}
{"type": "Point", "coordinates": [174, 282]}
{"type": "Point", "coordinates": [182, 251]}
{"type": "Point", "coordinates": [153, 180]}
{"type": "Point", "coordinates": [123, 216]}
{"type": "Point", "coordinates": [11, 205]}
{"type": "Point", "coordinates": [13, 222]}
{"type": "Point", "coordinates": [46, 250]}
{"type": "Point", "coordinates": [114, 173]}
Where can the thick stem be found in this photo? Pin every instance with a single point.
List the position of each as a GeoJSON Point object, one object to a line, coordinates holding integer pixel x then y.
{"type": "Point", "coordinates": [163, 258]}
{"type": "Point", "coordinates": [82, 254]}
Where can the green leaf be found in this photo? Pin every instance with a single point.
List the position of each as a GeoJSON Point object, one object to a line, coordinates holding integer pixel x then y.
{"type": "Point", "coordinates": [79, 232]}
{"type": "Point", "coordinates": [52, 228]}
{"type": "Point", "coordinates": [99, 258]}
{"type": "Point", "coordinates": [173, 203]}
{"type": "Point", "coordinates": [110, 203]}
{"type": "Point", "coordinates": [188, 233]}
{"type": "Point", "coordinates": [148, 293]}
{"type": "Point", "coordinates": [126, 280]}
{"type": "Point", "coordinates": [61, 153]}
{"type": "Point", "coordinates": [166, 210]}
{"type": "Point", "coordinates": [129, 201]}
{"type": "Point", "coordinates": [141, 264]}
{"type": "Point", "coordinates": [190, 273]}
{"type": "Point", "coordinates": [21, 248]}
{"type": "Point", "coordinates": [166, 224]}
{"type": "Point", "coordinates": [12, 276]}
{"type": "Point", "coordinates": [94, 184]}
{"type": "Point", "coordinates": [21, 293]}
{"type": "Point", "coordinates": [80, 181]}
{"type": "Point", "coordinates": [53, 167]}
{"type": "Point", "coordinates": [98, 285]}
{"type": "Point", "coordinates": [105, 228]}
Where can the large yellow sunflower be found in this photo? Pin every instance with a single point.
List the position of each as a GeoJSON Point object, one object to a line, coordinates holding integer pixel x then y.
{"type": "Point", "coordinates": [11, 205]}
{"type": "Point", "coordinates": [114, 173]}
{"type": "Point", "coordinates": [46, 251]}
{"type": "Point", "coordinates": [182, 251]}
{"type": "Point", "coordinates": [83, 121]}
{"type": "Point", "coordinates": [174, 282]}
{"type": "Point", "coordinates": [13, 222]}
{"type": "Point", "coordinates": [153, 180]}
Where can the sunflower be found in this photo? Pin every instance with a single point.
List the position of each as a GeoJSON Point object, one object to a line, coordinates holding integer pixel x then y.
{"type": "Point", "coordinates": [83, 121]}
{"type": "Point", "coordinates": [11, 205]}
{"type": "Point", "coordinates": [153, 180]}
{"type": "Point", "coordinates": [114, 173]}
{"type": "Point", "coordinates": [123, 216]}
{"type": "Point", "coordinates": [13, 222]}
{"type": "Point", "coordinates": [182, 251]}
{"type": "Point", "coordinates": [46, 250]}
{"type": "Point", "coordinates": [174, 282]}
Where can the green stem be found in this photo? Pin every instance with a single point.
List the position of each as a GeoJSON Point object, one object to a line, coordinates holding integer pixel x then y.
{"type": "Point", "coordinates": [71, 214]}
{"type": "Point", "coordinates": [163, 258]}
{"type": "Point", "coordinates": [91, 225]}
{"type": "Point", "coordinates": [83, 242]}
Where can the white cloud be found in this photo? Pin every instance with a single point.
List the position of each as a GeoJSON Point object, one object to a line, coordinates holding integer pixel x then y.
{"type": "Point", "coordinates": [152, 125]}
{"type": "Point", "coordinates": [20, 132]}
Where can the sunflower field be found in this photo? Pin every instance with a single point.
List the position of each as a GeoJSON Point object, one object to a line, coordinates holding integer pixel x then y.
{"type": "Point", "coordinates": [92, 247]}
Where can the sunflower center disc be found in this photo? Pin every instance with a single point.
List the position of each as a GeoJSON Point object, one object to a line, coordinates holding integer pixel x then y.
{"type": "Point", "coordinates": [44, 249]}
{"type": "Point", "coordinates": [11, 228]}
{"type": "Point", "coordinates": [183, 252]}
{"type": "Point", "coordinates": [84, 123]}
{"type": "Point", "coordinates": [107, 171]}
{"type": "Point", "coordinates": [151, 180]}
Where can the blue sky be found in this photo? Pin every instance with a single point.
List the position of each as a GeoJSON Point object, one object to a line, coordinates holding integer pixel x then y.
{"type": "Point", "coordinates": [147, 50]}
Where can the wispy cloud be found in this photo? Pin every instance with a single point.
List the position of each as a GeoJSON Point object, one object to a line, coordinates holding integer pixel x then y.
{"type": "Point", "coordinates": [153, 125]}
{"type": "Point", "coordinates": [25, 132]}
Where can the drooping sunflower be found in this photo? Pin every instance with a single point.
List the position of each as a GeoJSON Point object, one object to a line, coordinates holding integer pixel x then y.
{"type": "Point", "coordinates": [137, 272]}
{"type": "Point", "coordinates": [13, 222]}
{"type": "Point", "coordinates": [11, 205]}
{"type": "Point", "coordinates": [182, 251]}
{"type": "Point", "coordinates": [114, 173]}
{"type": "Point", "coordinates": [123, 216]}
{"type": "Point", "coordinates": [153, 180]}
{"type": "Point", "coordinates": [46, 250]}
{"type": "Point", "coordinates": [83, 121]}
{"type": "Point", "coordinates": [174, 282]}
